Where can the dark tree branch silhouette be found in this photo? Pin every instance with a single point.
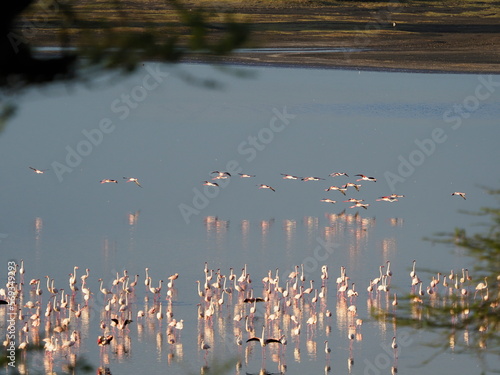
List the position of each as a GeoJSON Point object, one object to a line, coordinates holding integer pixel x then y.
{"type": "Point", "coordinates": [91, 43]}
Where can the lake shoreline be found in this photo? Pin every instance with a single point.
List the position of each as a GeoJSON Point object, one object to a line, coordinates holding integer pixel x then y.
{"type": "Point", "coordinates": [424, 37]}
{"type": "Point", "coordinates": [415, 36]}
{"type": "Point", "coordinates": [256, 61]}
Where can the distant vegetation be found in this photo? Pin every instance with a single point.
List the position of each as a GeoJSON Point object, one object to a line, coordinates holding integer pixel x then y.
{"type": "Point", "coordinates": [100, 35]}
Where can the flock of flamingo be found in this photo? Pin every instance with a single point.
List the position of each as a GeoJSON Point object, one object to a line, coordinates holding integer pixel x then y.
{"type": "Point", "coordinates": [104, 181]}
{"type": "Point", "coordinates": [356, 203]}
{"type": "Point", "coordinates": [275, 311]}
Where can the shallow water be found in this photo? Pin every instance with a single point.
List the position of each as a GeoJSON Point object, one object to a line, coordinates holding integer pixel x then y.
{"type": "Point", "coordinates": [420, 135]}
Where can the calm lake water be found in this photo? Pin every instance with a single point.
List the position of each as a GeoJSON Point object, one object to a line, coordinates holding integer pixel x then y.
{"type": "Point", "coordinates": [424, 136]}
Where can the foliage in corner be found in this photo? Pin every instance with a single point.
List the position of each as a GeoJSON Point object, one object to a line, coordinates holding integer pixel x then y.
{"type": "Point", "coordinates": [465, 312]}
{"type": "Point", "coordinates": [108, 40]}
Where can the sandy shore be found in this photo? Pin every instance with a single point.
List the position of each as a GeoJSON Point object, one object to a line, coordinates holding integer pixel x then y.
{"type": "Point", "coordinates": [380, 36]}
{"type": "Point", "coordinates": [430, 36]}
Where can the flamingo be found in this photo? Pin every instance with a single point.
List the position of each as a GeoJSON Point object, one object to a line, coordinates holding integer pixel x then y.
{"type": "Point", "coordinates": [263, 342]}
{"type": "Point", "coordinates": [342, 190]}
{"type": "Point", "coordinates": [413, 273]}
{"type": "Point", "coordinates": [38, 171]}
{"type": "Point", "coordinates": [120, 324]}
{"type": "Point", "coordinates": [263, 186]}
{"type": "Point", "coordinates": [388, 198]}
{"type": "Point", "coordinates": [72, 276]}
{"type": "Point", "coordinates": [352, 292]}
{"type": "Point", "coordinates": [155, 291]}
{"type": "Point", "coordinates": [208, 183]}
{"type": "Point", "coordinates": [312, 179]}
{"type": "Point", "coordinates": [328, 350]}
{"type": "Point", "coordinates": [352, 184]}
{"type": "Point", "coordinates": [365, 178]}
{"type": "Point", "coordinates": [481, 286]}
{"type": "Point", "coordinates": [24, 344]}
{"type": "Point", "coordinates": [354, 200]}
{"type": "Point", "coordinates": [104, 340]}
{"type": "Point", "coordinates": [171, 279]}
{"type": "Point", "coordinates": [159, 314]}
{"type": "Point", "coordinates": [221, 175]}
{"type": "Point", "coordinates": [324, 272]}
{"type": "Point", "coordinates": [239, 340]}
{"type": "Point", "coordinates": [310, 289]}
{"type": "Point", "coordinates": [388, 272]}
{"type": "Point", "coordinates": [328, 200]}
{"type": "Point", "coordinates": [104, 290]}
{"type": "Point", "coordinates": [134, 283]}
{"type": "Point", "coordinates": [21, 270]}
{"type": "Point", "coordinates": [38, 291]}
{"type": "Point", "coordinates": [394, 346]}
{"type": "Point", "coordinates": [243, 276]}
{"type": "Point", "coordinates": [204, 346]}
{"type": "Point", "coordinates": [376, 280]}
{"type": "Point", "coordinates": [459, 194]}
{"type": "Point", "coordinates": [289, 176]}
{"type": "Point", "coordinates": [360, 205]}
{"type": "Point", "coordinates": [132, 179]}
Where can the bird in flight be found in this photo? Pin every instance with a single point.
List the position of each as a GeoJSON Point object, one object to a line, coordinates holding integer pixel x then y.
{"type": "Point", "coordinates": [365, 178]}
{"type": "Point", "coordinates": [132, 179]}
{"type": "Point", "coordinates": [388, 198]}
{"type": "Point", "coordinates": [342, 190]}
{"type": "Point", "coordinates": [107, 180]}
{"type": "Point", "coordinates": [289, 176]}
{"type": "Point", "coordinates": [336, 174]}
{"type": "Point", "coordinates": [221, 175]}
{"type": "Point", "coordinates": [352, 184]}
{"type": "Point", "coordinates": [327, 200]}
{"type": "Point", "coordinates": [104, 340]}
{"type": "Point", "coordinates": [459, 194]}
{"type": "Point", "coordinates": [38, 171]}
{"type": "Point", "coordinates": [312, 178]}
{"type": "Point", "coordinates": [244, 175]}
{"type": "Point", "coordinates": [208, 183]}
{"type": "Point", "coordinates": [354, 200]}
{"type": "Point", "coordinates": [262, 186]}
{"type": "Point", "coordinates": [396, 195]}
{"type": "Point", "coordinates": [360, 205]}
{"type": "Point", "coordinates": [263, 342]}
{"type": "Point", "coordinates": [120, 324]}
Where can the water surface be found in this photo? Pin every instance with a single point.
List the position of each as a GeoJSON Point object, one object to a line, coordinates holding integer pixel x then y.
{"type": "Point", "coordinates": [421, 135]}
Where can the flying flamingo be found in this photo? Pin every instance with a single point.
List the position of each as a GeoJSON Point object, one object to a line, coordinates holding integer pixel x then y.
{"type": "Point", "coordinates": [38, 171]}
{"type": "Point", "coordinates": [132, 179]}
{"type": "Point", "coordinates": [459, 194]}
{"type": "Point", "coordinates": [263, 186]}
{"type": "Point", "coordinates": [263, 342]}
{"type": "Point", "coordinates": [365, 178]}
